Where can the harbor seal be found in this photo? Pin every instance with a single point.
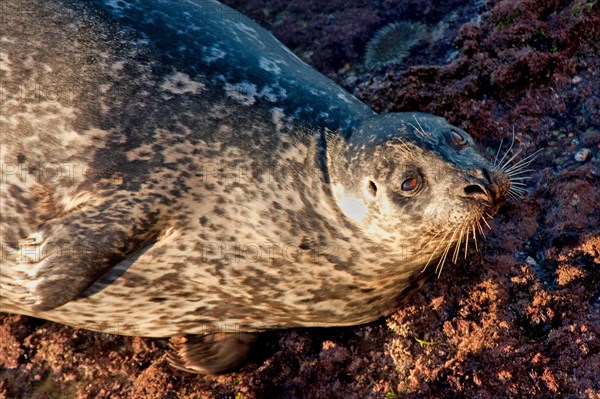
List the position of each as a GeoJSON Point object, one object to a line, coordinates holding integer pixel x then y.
{"type": "Point", "coordinates": [169, 169]}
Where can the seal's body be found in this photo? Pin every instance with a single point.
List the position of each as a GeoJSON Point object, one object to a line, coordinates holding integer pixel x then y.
{"type": "Point", "coordinates": [170, 168]}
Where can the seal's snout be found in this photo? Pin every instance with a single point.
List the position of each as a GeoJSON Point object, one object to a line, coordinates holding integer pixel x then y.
{"type": "Point", "coordinates": [485, 186]}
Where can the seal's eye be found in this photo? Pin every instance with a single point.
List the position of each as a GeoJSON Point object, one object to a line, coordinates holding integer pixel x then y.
{"type": "Point", "coordinates": [458, 139]}
{"type": "Point", "coordinates": [411, 184]}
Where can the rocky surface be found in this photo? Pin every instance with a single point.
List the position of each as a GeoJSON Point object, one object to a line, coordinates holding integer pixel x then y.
{"type": "Point", "coordinates": [518, 319]}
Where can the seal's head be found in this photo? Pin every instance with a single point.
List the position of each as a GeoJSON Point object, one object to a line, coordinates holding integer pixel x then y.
{"type": "Point", "coordinates": [414, 183]}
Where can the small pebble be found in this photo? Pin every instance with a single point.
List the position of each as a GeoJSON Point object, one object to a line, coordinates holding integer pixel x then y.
{"type": "Point", "coordinates": [576, 80]}
{"type": "Point", "coordinates": [530, 261]}
{"type": "Point", "coordinates": [575, 200]}
{"type": "Point", "coordinates": [582, 155]}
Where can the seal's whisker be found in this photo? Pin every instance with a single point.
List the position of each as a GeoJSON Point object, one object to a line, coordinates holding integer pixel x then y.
{"type": "Point", "coordinates": [442, 241]}
{"type": "Point", "coordinates": [512, 191]}
{"type": "Point", "coordinates": [436, 247]}
{"type": "Point", "coordinates": [509, 149]}
{"type": "Point", "coordinates": [498, 152]}
{"type": "Point", "coordinates": [481, 229]}
{"type": "Point", "coordinates": [518, 172]}
{"type": "Point", "coordinates": [517, 196]}
{"type": "Point", "coordinates": [518, 184]}
{"type": "Point", "coordinates": [404, 147]}
{"type": "Point", "coordinates": [474, 237]}
{"type": "Point", "coordinates": [420, 130]}
{"type": "Point", "coordinates": [525, 161]}
{"type": "Point", "coordinates": [517, 168]}
{"type": "Point", "coordinates": [464, 232]}
{"type": "Point", "coordinates": [451, 242]}
{"type": "Point", "coordinates": [457, 247]}
{"type": "Point", "coordinates": [512, 179]}
{"type": "Point", "coordinates": [509, 160]}
{"type": "Point", "coordinates": [522, 162]}
{"type": "Point", "coordinates": [434, 250]}
{"type": "Point", "coordinates": [467, 241]}
{"type": "Point", "coordinates": [514, 195]}
{"type": "Point", "coordinates": [416, 129]}
{"type": "Point", "coordinates": [440, 265]}
{"type": "Point", "coordinates": [517, 189]}
{"type": "Point", "coordinates": [529, 158]}
{"type": "Point", "coordinates": [485, 221]}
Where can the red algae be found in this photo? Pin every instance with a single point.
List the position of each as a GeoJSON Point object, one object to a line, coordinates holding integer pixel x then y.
{"type": "Point", "coordinates": [518, 319]}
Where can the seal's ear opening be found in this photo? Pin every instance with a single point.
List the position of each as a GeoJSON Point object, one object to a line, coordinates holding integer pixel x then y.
{"type": "Point", "coordinates": [372, 188]}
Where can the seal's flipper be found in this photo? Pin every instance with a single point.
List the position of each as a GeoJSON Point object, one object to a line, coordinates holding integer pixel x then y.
{"type": "Point", "coordinates": [211, 353]}
{"type": "Point", "coordinates": [55, 264]}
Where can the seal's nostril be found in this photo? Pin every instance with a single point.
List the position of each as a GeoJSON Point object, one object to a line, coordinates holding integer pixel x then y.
{"type": "Point", "coordinates": [477, 191]}
{"type": "Point", "coordinates": [372, 188]}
